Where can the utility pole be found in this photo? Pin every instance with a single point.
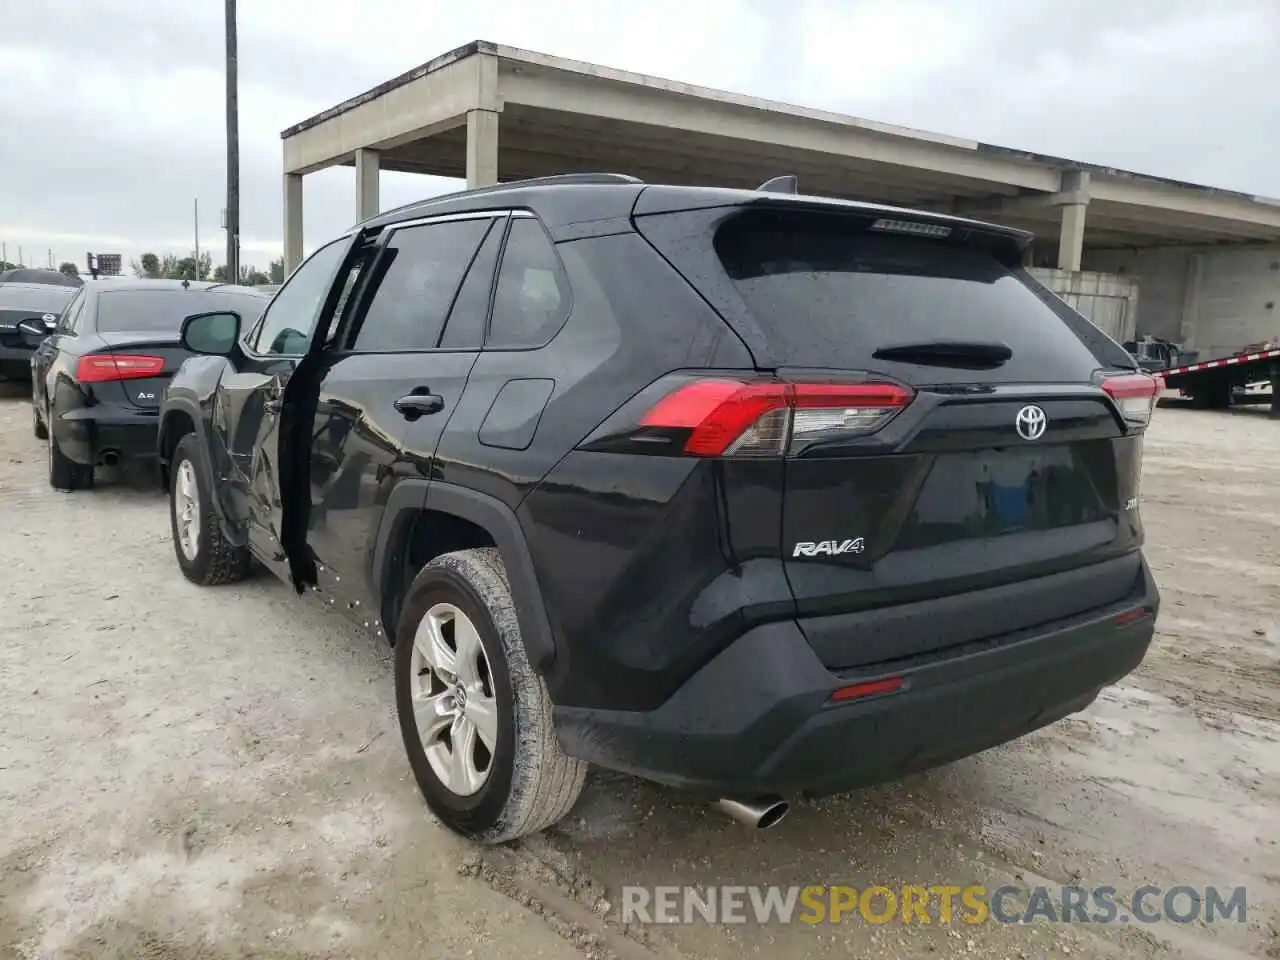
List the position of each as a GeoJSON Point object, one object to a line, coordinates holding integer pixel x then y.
{"type": "Point", "coordinates": [196, 222]}
{"type": "Point", "coordinates": [20, 263]}
{"type": "Point", "coordinates": [233, 150]}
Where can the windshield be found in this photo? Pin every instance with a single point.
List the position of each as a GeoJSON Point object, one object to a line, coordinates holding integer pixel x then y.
{"type": "Point", "coordinates": [162, 311]}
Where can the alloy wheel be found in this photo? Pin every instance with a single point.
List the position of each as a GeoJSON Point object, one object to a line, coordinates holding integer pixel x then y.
{"type": "Point", "coordinates": [186, 510]}
{"type": "Point", "coordinates": [453, 699]}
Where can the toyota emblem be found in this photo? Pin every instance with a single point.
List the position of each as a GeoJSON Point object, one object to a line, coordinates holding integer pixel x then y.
{"type": "Point", "coordinates": [1031, 422]}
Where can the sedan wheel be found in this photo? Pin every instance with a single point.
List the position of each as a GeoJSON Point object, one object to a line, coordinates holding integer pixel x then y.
{"type": "Point", "coordinates": [453, 699]}
{"type": "Point", "coordinates": [186, 510]}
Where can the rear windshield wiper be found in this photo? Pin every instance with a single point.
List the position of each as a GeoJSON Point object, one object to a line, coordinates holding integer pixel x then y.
{"type": "Point", "coordinates": [968, 354]}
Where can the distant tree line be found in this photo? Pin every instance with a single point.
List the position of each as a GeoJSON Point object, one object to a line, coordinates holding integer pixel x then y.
{"type": "Point", "coordinates": [171, 267]}
{"type": "Point", "coordinates": [66, 266]}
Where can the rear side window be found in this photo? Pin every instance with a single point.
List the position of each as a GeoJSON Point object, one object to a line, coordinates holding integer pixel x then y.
{"type": "Point", "coordinates": [829, 292]}
{"type": "Point", "coordinates": [531, 301]}
{"type": "Point", "coordinates": [418, 274]}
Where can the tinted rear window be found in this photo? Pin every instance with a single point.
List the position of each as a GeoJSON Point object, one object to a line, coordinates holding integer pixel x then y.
{"type": "Point", "coordinates": [161, 311]}
{"type": "Point", "coordinates": [45, 298]}
{"type": "Point", "coordinates": [828, 292]}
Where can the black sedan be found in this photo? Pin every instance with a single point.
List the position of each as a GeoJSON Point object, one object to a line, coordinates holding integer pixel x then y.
{"type": "Point", "coordinates": [97, 378]}
{"type": "Point", "coordinates": [37, 305]}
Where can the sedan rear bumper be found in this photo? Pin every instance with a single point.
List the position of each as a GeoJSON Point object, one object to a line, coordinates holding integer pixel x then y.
{"type": "Point", "coordinates": [90, 434]}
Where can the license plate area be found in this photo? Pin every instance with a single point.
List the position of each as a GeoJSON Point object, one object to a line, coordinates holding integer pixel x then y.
{"type": "Point", "coordinates": [990, 493]}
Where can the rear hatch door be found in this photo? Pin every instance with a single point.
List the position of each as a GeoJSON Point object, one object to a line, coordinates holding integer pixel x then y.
{"type": "Point", "coordinates": [999, 474]}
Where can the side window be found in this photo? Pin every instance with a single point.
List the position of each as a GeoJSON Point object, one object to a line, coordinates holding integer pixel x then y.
{"type": "Point", "coordinates": [291, 319]}
{"type": "Point", "coordinates": [419, 272]}
{"type": "Point", "coordinates": [465, 327]}
{"type": "Point", "coordinates": [69, 322]}
{"type": "Point", "coordinates": [532, 298]}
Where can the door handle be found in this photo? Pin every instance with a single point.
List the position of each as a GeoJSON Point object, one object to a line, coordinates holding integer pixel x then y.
{"type": "Point", "coordinates": [416, 404]}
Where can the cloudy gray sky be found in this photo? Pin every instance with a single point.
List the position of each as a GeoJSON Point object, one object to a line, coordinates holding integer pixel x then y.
{"type": "Point", "coordinates": [111, 111]}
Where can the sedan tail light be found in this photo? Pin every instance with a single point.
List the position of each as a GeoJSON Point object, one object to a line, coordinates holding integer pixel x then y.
{"type": "Point", "coordinates": [104, 367]}
{"type": "Point", "coordinates": [767, 418]}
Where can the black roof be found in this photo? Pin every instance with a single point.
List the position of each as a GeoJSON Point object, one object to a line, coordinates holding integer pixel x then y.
{"type": "Point", "coordinates": [581, 197]}
{"type": "Point", "coordinates": [55, 278]}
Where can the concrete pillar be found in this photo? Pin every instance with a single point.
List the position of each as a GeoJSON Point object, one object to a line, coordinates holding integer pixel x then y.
{"type": "Point", "coordinates": [1071, 237]}
{"type": "Point", "coordinates": [292, 221]}
{"type": "Point", "coordinates": [366, 183]}
{"type": "Point", "coordinates": [1190, 318]}
{"type": "Point", "coordinates": [482, 148]}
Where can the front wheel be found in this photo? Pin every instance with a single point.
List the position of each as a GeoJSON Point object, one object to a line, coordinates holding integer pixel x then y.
{"type": "Point", "coordinates": [475, 718]}
{"type": "Point", "coordinates": [204, 554]}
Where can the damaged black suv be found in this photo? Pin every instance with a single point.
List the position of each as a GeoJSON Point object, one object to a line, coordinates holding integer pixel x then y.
{"type": "Point", "coordinates": [747, 492]}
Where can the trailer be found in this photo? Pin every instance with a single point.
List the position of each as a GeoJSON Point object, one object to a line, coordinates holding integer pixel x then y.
{"type": "Point", "coordinates": [1251, 376]}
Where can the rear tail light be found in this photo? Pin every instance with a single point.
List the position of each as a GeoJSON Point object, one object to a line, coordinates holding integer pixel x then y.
{"type": "Point", "coordinates": [869, 688]}
{"type": "Point", "coordinates": [1135, 394]}
{"type": "Point", "coordinates": [103, 367]}
{"type": "Point", "coordinates": [766, 419]}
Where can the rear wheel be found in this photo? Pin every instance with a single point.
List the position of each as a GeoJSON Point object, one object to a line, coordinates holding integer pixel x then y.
{"type": "Point", "coordinates": [475, 718]}
{"type": "Point", "coordinates": [65, 473]}
{"type": "Point", "coordinates": [204, 554]}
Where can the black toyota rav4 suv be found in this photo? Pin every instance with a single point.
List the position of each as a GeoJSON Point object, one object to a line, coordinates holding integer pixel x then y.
{"type": "Point", "coordinates": [750, 493]}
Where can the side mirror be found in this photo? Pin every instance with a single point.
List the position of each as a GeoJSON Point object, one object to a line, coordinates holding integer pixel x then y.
{"type": "Point", "coordinates": [215, 334]}
{"type": "Point", "coordinates": [35, 329]}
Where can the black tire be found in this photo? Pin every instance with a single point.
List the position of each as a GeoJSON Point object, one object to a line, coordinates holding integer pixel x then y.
{"type": "Point", "coordinates": [217, 560]}
{"type": "Point", "coordinates": [65, 473]}
{"type": "Point", "coordinates": [38, 429]}
{"type": "Point", "coordinates": [531, 783]}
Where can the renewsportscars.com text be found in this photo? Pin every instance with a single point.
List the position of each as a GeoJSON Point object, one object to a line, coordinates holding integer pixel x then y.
{"type": "Point", "coordinates": [819, 904]}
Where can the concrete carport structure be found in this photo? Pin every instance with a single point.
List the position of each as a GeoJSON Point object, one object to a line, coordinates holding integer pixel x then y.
{"type": "Point", "coordinates": [486, 111]}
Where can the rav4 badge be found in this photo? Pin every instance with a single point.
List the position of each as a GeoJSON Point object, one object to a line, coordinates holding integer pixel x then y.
{"type": "Point", "coordinates": [828, 548]}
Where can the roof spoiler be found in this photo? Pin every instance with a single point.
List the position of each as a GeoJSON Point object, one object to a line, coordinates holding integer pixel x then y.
{"type": "Point", "coordinates": [788, 183]}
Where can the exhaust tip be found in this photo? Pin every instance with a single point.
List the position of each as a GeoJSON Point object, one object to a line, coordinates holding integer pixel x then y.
{"type": "Point", "coordinates": [759, 814]}
{"type": "Point", "coordinates": [109, 458]}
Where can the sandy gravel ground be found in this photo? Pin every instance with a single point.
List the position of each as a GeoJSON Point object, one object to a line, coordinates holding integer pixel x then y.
{"type": "Point", "coordinates": [213, 774]}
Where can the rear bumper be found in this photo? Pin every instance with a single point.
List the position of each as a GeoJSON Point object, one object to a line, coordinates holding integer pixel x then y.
{"type": "Point", "coordinates": [86, 434]}
{"type": "Point", "coordinates": [15, 362]}
{"type": "Point", "coordinates": [758, 718]}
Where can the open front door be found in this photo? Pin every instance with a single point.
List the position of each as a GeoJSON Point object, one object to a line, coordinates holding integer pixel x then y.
{"type": "Point", "coordinates": [257, 400]}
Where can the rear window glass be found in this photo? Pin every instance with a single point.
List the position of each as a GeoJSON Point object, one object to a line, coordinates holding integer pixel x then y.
{"type": "Point", "coordinates": [46, 298]}
{"type": "Point", "coordinates": [161, 311]}
{"type": "Point", "coordinates": [829, 293]}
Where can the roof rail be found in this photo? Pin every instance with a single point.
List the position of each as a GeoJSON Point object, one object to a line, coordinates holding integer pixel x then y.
{"type": "Point", "coordinates": [554, 180]}
{"type": "Point", "coordinates": [787, 183]}
{"type": "Point", "coordinates": [574, 178]}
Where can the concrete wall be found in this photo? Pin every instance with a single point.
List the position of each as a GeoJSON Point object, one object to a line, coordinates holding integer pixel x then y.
{"type": "Point", "coordinates": [1213, 299]}
{"type": "Point", "coordinates": [1110, 302]}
